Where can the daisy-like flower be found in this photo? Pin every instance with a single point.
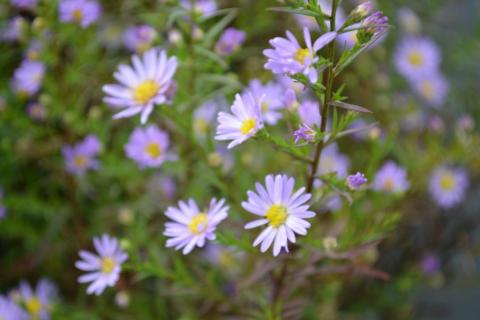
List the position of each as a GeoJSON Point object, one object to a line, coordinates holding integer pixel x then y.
{"type": "Point", "coordinates": [309, 113]}
{"type": "Point", "coordinates": [204, 116]}
{"type": "Point", "coordinates": [190, 226]}
{"type": "Point", "coordinates": [332, 161]}
{"type": "Point", "coordinates": [204, 8]}
{"type": "Point", "coordinates": [38, 302]}
{"type": "Point", "coordinates": [230, 41]}
{"type": "Point", "coordinates": [14, 30]}
{"type": "Point", "coordinates": [416, 56]}
{"type": "Point", "coordinates": [408, 20]}
{"type": "Point", "coordinates": [355, 181]}
{"type": "Point", "coordinates": [9, 310]}
{"type": "Point", "coordinates": [244, 122]}
{"type": "Point", "coordinates": [304, 132]}
{"type": "Point", "coordinates": [283, 210]}
{"type": "Point", "coordinates": [149, 147]}
{"type": "Point", "coordinates": [391, 178]}
{"type": "Point", "coordinates": [447, 186]}
{"type": "Point", "coordinates": [103, 269]}
{"type": "Point", "coordinates": [272, 102]}
{"type": "Point", "coordinates": [432, 88]}
{"type": "Point", "coordinates": [139, 38]}
{"type": "Point", "coordinates": [288, 57]}
{"type": "Point", "coordinates": [143, 86]}
{"type": "Point", "coordinates": [37, 111]}
{"type": "Point", "coordinates": [83, 12]}
{"type": "Point", "coordinates": [81, 157]}
{"type": "Point", "coordinates": [28, 77]}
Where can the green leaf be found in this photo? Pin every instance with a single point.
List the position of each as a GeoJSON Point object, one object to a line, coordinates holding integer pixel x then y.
{"type": "Point", "coordinates": [349, 106]}
{"type": "Point", "coordinates": [214, 31]}
{"type": "Point", "coordinates": [210, 55]}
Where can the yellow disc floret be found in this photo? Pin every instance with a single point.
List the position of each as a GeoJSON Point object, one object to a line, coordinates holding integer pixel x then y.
{"type": "Point", "coordinates": [276, 215]}
{"type": "Point", "coordinates": [77, 15]}
{"type": "Point", "coordinates": [247, 126]}
{"type": "Point", "coordinates": [153, 150]}
{"type": "Point", "coordinates": [198, 224]}
{"type": "Point", "coordinates": [447, 181]}
{"type": "Point", "coordinates": [301, 54]}
{"type": "Point", "coordinates": [145, 91]}
{"type": "Point", "coordinates": [80, 161]}
{"type": "Point", "coordinates": [415, 58]}
{"type": "Point", "coordinates": [107, 265]}
{"type": "Point", "coordinates": [33, 305]}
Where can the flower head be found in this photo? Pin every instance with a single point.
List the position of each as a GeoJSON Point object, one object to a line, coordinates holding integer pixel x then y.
{"type": "Point", "coordinates": [304, 132]}
{"type": "Point", "coordinates": [38, 302]}
{"type": "Point", "coordinates": [416, 56]}
{"type": "Point", "coordinates": [230, 41]}
{"type": "Point", "coordinates": [288, 57]}
{"type": "Point", "coordinates": [432, 87]}
{"type": "Point", "coordinates": [244, 122]}
{"type": "Point", "coordinates": [271, 96]}
{"type": "Point", "coordinates": [430, 264]}
{"type": "Point", "coordinates": [372, 26]}
{"type": "Point", "coordinates": [143, 86]}
{"type": "Point", "coordinates": [309, 113]}
{"type": "Point", "coordinates": [355, 181]}
{"type": "Point", "coordinates": [149, 147]}
{"type": "Point", "coordinates": [103, 269]}
{"type": "Point", "coordinates": [391, 178]}
{"type": "Point", "coordinates": [28, 77]}
{"type": "Point", "coordinates": [37, 111]}
{"type": "Point", "coordinates": [191, 226]}
{"type": "Point", "coordinates": [14, 30]}
{"type": "Point", "coordinates": [83, 12]}
{"type": "Point", "coordinates": [9, 310]}
{"type": "Point", "coordinates": [205, 115]}
{"type": "Point", "coordinates": [448, 185]}
{"type": "Point", "coordinates": [361, 11]}
{"type": "Point", "coordinates": [332, 161]}
{"type": "Point", "coordinates": [282, 210]}
{"type": "Point", "coordinates": [204, 8]}
{"type": "Point", "coordinates": [139, 38]}
{"type": "Point", "coordinates": [81, 157]}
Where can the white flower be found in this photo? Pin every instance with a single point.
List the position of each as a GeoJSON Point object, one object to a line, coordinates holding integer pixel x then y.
{"type": "Point", "coordinates": [284, 212]}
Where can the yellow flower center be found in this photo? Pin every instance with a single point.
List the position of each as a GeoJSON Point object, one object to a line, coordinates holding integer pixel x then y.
{"type": "Point", "coordinates": [276, 215]}
{"type": "Point", "coordinates": [153, 150]}
{"type": "Point", "coordinates": [80, 161]}
{"type": "Point", "coordinates": [145, 91]}
{"type": "Point", "coordinates": [426, 88]}
{"type": "Point", "coordinates": [77, 15]}
{"type": "Point", "coordinates": [247, 126]}
{"type": "Point", "coordinates": [301, 54]}
{"type": "Point", "coordinates": [415, 58]}
{"type": "Point", "coordinates": [33, 305]}
{"type": "Point", "coordinates": [447, 181]}
{"type": "Point", "coordinates": [388, 184]}
{"type": "Point", "coordinates": [107, 265]}
{"type": "Point", "coordinates": [201, 125]}
{"type": "Point", "coordinates": [264, 107]}
{"type": "Point", "coordinates": [198, 224]}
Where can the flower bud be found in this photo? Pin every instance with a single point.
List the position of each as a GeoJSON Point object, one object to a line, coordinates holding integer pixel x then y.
{"type": "Point", "coordinates": [361, 11]}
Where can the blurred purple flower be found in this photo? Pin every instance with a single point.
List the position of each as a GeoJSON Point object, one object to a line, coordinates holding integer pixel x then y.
{"type": "Point", "coordinates": [36, 111]}
{"type": "Point", "coordinates": [436, 123]}
{"type": "Point", "coordinates": [326, 7]}
{"type": "Point", "coordinates": [304, 132]}
{"type": "Point", "coordinates": [447, 186]}
{"type": "Point", "coordinates": [205, 8]}
{"type": "Point", "coordinates": [416, 56]}
{"type": "Point", "coordinates": [162, 187]}
{"type": "Point", "coordinates": [149, 147]}
{"type": "Point", "coordinates": [24, 4]}
{"type": "Point", "coordinates": [391, 178]}
{"type": "Point", "coordinates": [9, 310]}
{"type": "Point", "coordinates": [272, 103]}
{"type": "Point", "coordinates": [81, 157]}
{"type": "Point", "coordinates": [13, 30]}
{"type": "Point", "coordinates": [408, 20]}
{"type": "Point", "coordinates": [432, 87]}
{"type": "Point", "coordinates": [230, 40]}
{"type": "Point", "coordinates": [143, 86]}
{"type": "Point", "coordinates": [465, 123]}
{"type": "Point", "coordinates": [28, 77]}
{"type": "Point", "coordinates": [83, 12]}
{"type": "Point", "coordinates": [3, 210]}
{"type": "Point", "coordinates": [205, 115]}
{"type": "Point", "coordinates": [309, 113]}
{"type": "Point", "coordinates": [39, 301]}
{"type": "Point", "coordinates": [332, 161]}
{"type": "Point", "coordinates": [355, 181]}
{"type": "Point", "coordinates": [139, 38]}
{"type": "Point", "coordinates": [288, 57]}
{"type": "Point", "coordinates": [103, 270]}
{"type": "Point", "coordinates": [430, 264]}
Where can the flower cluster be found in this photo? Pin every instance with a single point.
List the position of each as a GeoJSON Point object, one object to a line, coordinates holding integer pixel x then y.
{"type": "Point", "coordinates": [81, 157]}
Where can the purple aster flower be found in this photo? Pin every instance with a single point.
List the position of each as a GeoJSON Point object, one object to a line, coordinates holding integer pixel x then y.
{"type": "Point", "coordinates": [230, 41]}
{"type": "Point", "coordinates": [103, 269]}
{"type": "Point", "coordinates": [14, 30]}
{"type": "Point", "coordinates": [142, 86]}
{"type": "Point", "coordinates": [290, 100]}
{"type": "Point", "coordinates": [271, 95]}
{"type": "Point", "coordinates": [149, 147]}
{"type": "Point", "coordinates": [282, 210]}
{"type": "Point", "coordinates": [372, 26]}
{"type": "Point", "coordinates": [309, 113]}
{"type": "Point", "coordinates": [81, 157]}
{"type": "Point", "coordinates": [416, 56]}
{"type": "Point", "coordinates": [332, 161]}
{"type": "Point", "coordinates": [408, 20]}
{"type": "Point", "coordinates": [28, 77]}
{"type": "Point", "coordinates": [3, 211]}
{"type": "Point", "coordinates": [304, 132]}
{"type": "Point", "coordinates": [205, 115]}
{"type": "Point", "coordinates": [83, 12]}
{"type": "Point", "coordinates": [24, 4]}
{"type": "Point", "coordinates": [244, 122]}
{"type": "Point", "coordinates": [139, 38]}
{"type": "Point", "coordinates": [162, 187]}
{"type": "Point", "coordinates": [391, 178]}
{"type": "Point", "coordinates": [39, 301]}
{"type": "Point", "coordinates": [448, 185]}
{"type": "Point", "coordinates": [432, 87]}
{"type": "Point", "coordinates": [222, 256]}
{"type": "Point", "coordinates": [9, 310]}
{"type": "Point", "coordinates": [204, 8]}
{"type": "Point", "coordinates": [37, 111]}
{"type": "Point", "coordinates": [326, 7]}
{"type": "Point", "coordinates": [430, 264]}
{"type": "Point", "coordinates": [333, 203]}
{"type": "Point", "coordinates": [190, 226]}
{"type": "Point", "coordinates": [355, 181]}
{"type": "Point", "coordinates": [436, 123]}
{"type": "Point", "coordinates": [289, 58]}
